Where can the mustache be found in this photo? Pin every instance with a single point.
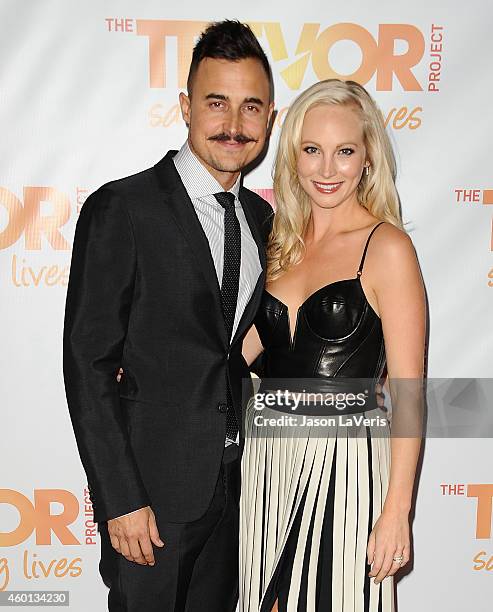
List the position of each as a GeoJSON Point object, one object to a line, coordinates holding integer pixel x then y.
{"type": "Point", "coordinates": [240, 138]}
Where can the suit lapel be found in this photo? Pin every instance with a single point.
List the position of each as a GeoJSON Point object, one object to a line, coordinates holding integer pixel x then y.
{"type": "Point", "coordinates": [254, 302]}
{"type": "Point", "coordinates": [183, 211]}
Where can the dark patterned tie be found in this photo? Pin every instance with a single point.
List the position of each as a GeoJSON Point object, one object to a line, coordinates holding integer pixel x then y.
{"type": "Point", "coordinates": [229, 285]}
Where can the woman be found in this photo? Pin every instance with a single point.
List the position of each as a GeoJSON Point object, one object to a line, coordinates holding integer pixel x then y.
{"type": "Point", "coordinates": [324, 520]}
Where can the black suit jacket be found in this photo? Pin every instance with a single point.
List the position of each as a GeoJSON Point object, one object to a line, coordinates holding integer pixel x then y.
{"type": "Point", "coordinates": [143, 294]}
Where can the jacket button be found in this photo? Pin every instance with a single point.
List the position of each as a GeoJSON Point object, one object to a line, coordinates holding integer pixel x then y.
{"type": "Point", "coordinates": [222, 407]}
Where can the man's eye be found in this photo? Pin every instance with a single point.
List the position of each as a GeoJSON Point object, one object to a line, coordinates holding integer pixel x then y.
{"type": "Point", "coordinates": [251, 109]}
{"type": "Point", "coordinates": [217, 104]}
{"type": "Point", "coordinates": [346, 151]}
{"type": "Point", "coordinates": [310, 150]}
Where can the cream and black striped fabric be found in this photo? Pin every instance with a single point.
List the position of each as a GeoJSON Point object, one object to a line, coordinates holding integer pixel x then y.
{"type": "Point", "coordinates": [309, 502]}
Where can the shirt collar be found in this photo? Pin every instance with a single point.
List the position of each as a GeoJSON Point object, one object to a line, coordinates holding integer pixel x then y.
{"type": "Point", "coordinates": [197, 180]}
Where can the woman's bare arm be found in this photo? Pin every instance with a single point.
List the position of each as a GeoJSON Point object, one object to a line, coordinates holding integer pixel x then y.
{"type": "Point", "coordinates": [401, 301]}
{"type": "Point", "coordinates": [396, 281]}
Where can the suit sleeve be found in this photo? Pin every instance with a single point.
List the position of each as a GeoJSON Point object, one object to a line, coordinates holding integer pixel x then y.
{"type": "Point", "coordinates": [257, 366]}
{"type": "Point", "coordinates": [99, 300]}
{"type": "Point", "coordinates": [266, 226]}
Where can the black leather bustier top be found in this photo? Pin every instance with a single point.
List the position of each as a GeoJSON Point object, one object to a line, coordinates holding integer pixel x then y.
{"type": "Point", "coordinates": [337, 333]}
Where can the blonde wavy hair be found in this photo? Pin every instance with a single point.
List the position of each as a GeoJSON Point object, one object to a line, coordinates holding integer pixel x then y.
{"type": "Point", "coordinates": [376, 192]}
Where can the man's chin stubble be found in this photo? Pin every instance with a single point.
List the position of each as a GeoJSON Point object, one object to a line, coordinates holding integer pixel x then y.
{"type": "Point", "coordinates": [214, 163]}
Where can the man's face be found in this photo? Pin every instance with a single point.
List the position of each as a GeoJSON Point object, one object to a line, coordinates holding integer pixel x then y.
{"type": "Point", "coordinates": [228, 114]}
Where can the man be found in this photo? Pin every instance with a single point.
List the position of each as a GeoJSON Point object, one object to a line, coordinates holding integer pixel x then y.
{"type": "Point", "coordinates": [167, 271]}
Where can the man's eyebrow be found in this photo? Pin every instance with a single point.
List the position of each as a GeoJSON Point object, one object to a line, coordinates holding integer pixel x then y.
{"type": "Point", "coordinates": [216, 96]}
{"type": "Point", "coordinates": [252, 100]}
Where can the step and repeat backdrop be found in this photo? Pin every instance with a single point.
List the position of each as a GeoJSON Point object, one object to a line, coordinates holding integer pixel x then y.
{"type": "Point", "coordinates": [89, 93]}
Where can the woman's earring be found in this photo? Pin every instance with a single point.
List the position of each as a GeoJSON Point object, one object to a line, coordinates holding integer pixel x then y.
{"type": "Point", "coordinates": [367, 170]}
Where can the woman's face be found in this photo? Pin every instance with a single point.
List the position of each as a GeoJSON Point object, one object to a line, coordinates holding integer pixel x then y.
{"type": "Point", "coordinates": [332, 155]}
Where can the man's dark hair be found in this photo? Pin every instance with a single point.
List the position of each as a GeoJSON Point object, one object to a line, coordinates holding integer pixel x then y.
{"type": "Point", "coordinates": [229, 40]}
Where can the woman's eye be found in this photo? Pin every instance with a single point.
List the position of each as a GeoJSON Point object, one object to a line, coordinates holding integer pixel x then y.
{"type": "Point", "coordinates": [346, 151]}
{"type": "Point", "coordinates": [310, 150]}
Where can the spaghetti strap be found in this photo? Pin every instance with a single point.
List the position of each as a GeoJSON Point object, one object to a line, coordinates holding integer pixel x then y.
{"type": "Point", "coordinates": [360, 269]}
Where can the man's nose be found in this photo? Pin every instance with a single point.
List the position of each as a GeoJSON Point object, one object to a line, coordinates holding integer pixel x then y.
{"type": "Point", "coordinates": [233, 122]}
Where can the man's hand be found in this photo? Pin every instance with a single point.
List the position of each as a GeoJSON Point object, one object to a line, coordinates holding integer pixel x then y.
{"type": "Point", "coordinates": [133, 535]}
{"type": "Point", "coordinates": [379, 394]}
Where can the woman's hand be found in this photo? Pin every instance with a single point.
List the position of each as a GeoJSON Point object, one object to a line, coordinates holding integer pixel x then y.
{"type": "Point", "coordinates": [388, 539]}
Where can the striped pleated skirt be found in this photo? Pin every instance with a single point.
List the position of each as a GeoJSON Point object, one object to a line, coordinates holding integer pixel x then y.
{"type": "Point", "coordinates": [308, 505]}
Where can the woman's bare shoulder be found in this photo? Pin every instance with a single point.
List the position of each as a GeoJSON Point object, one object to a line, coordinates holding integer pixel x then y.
{"type": "Point", "coordinates": [390, 241]}
{"type": "Point", "coordinates": [391, 257]}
